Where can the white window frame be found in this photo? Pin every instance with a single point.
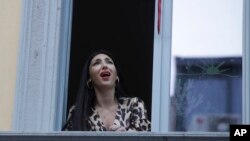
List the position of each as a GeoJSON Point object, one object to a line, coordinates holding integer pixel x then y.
{"type": "Point", "coordinates": [43, 62]}
{"type": "Point", "coordinates": [162, 67]}
{"type": "Point", "coordinates": [246, 63]}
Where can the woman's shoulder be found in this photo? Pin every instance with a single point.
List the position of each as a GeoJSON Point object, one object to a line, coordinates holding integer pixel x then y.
{"type": "Point", "coordinates": [68, 125]}
{"type": "Point", "coordinates": [71, 111]}
{"type": "Point", "coordinates": [130, 100]}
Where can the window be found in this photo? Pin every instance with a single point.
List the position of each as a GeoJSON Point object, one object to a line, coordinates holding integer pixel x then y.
{"type": "Point", "coordinates": [123, 27]}
{"type": "Point", "coordinates": [206, 52]}
{"type": "Point", "coordinates": [206, 87]}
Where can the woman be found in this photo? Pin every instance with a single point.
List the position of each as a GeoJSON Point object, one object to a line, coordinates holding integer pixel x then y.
{"type": "Point", "coordinates": [100, 104]}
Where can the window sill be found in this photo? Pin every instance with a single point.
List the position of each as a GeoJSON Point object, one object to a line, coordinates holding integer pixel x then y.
{"type": "Point", "coordinates": [103, 136]}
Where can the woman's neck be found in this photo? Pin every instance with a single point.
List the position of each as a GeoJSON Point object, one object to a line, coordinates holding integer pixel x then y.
{"type": "Point", "coordinates": [105, 98]}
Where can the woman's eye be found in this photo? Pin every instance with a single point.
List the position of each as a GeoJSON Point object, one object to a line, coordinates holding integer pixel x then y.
{"type": "Point", "coordinates": [110, 62]}
{"type": "Point", "coordinates": [95, 63]}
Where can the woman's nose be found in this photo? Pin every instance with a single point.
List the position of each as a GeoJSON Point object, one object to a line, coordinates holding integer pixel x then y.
{"type": "Point", "coordinates": [104, 66]}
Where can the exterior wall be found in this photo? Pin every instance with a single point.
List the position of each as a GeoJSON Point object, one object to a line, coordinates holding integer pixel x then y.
{"type": "Point", "coordinates": [9, 41]}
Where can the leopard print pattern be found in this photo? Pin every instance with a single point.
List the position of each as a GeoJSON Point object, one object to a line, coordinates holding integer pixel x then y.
{"type": "Point", "coordinates": [131, 114]}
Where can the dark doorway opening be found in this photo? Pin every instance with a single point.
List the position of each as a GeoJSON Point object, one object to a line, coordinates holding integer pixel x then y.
{"type": "Point", "coordinates": [126, 28]}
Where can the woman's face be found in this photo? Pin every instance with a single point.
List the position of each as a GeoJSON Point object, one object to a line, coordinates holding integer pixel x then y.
{"type": "Point", "coordinates": [102, 71]}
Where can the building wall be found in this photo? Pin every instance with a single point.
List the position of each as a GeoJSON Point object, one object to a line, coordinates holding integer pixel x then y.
{"type": "Point", "coordinates": [10, 12]}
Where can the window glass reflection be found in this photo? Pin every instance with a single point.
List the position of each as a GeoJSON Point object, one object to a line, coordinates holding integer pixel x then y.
{"type": "Point", "coordinates": [207, 94]}
{"type": "Point", "coordinates": [206, 68]}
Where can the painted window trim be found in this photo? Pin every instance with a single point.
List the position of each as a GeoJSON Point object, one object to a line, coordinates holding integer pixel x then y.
{"type": "Point", "coordinates": [161, 66]}
{"type": "Point", "coordinates": [43, 62]}
{"type": "Point", "coordinates": [246, 63]}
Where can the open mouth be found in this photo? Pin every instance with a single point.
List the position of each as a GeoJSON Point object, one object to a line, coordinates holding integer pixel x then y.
{"type": "Point", "coordinates": [105, 74]}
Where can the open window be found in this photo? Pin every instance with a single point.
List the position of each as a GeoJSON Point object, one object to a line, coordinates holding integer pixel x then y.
{"type": "Point", "coordinates": [126, 28]}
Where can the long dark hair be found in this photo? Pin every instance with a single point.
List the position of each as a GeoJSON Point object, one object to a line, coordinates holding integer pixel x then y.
{"type": "Point", "coordinates": [85, 99]}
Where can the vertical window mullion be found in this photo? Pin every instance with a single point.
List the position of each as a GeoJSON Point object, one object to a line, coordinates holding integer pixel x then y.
{"type": "Point", "coordinates": [246, 64]}
{"type": "Point", "coordinates": [166, 64]}
{"type": "Point", "coordinates": [162, 66]}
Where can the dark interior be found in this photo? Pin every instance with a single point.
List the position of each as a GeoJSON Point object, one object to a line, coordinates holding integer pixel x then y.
{"type": "Point", "coordinates": [124, 27]}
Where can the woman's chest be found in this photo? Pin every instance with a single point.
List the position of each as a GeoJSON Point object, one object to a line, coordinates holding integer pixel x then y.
{"type": "Point", "coordinates": [121, 118]}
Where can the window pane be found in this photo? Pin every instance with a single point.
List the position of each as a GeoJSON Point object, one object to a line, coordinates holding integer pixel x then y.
{"type": "Point", "coordinates": [206, 83]}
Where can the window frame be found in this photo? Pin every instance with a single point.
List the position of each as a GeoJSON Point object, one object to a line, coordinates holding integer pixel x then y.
{"type": "Point", "coordinates": [246, 63]}
{"type": "Point", "coordinates": [161, 66]}
{"type": "Point", "coordinates": [43, 62]}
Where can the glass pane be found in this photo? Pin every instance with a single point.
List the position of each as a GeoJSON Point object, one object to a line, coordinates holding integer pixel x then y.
{"type": "Point", "coordinates": [206, 70]}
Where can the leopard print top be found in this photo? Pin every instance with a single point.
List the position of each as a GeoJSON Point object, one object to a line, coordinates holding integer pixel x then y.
{"type": "Point", "coordinates": [131, 114]}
